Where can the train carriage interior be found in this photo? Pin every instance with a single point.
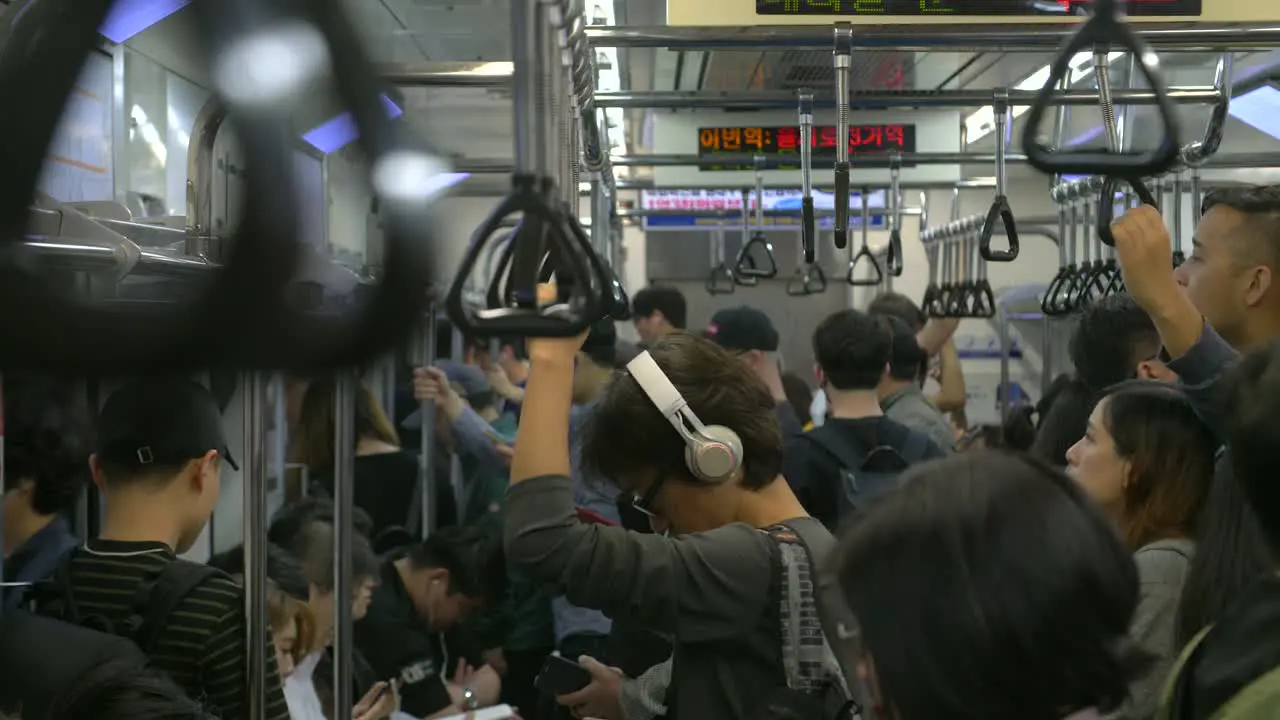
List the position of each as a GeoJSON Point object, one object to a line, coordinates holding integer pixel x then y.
{"type": "Point", "coordinates": [375, 297]}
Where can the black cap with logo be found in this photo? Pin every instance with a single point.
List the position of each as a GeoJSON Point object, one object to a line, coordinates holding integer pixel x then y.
{"type": "Point", "coordinates": [161, 422]}
{"type": "Point", "coordinates": [743, 328]}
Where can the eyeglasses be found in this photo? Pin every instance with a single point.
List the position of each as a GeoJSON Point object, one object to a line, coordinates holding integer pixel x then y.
{"type": "Point", "coordinates": [644, 502]}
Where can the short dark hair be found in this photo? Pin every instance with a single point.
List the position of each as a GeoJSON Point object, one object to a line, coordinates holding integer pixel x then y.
{"type": "Point", "coordinates": [474, 558]}
{"type": "Point", "coordinates": [290, 519]}
{"type": "Point", "coordinates": [1253, 435]}
{"type": "Point", "coordinates": [799, 396]}
{"type": "Point", "coordinates": [627, 434]}
{"type": "Point", "coordinates": [907, 360]}
{"type": "Point", "coordinates": [118, 690]}
{"type": "Point", "coordinates": [1170, 452]}
{"type": "Point", "coordinates": [313, 547]}
{"type": "Point", "coordinates": [47, 436]}
{"type": "Point", "coordinates": [1261, 203]}
{"type": "Point", "coordinates": [1063, 415]}
{"type": "Point", "coordinates": [852, 348]}
{"type": "Point", "coordinates": [664, 299]}
{"type": "Point", "coordinates": [601, 345]}
{"type": "Point", "coordinates": [1011, 541]}
{"type": "Point", "coordinates": [1112, 336]}
{"type": "Point", "coordinates": [899, 306]}
{"type": "Point", "coordinates": [283, 568]}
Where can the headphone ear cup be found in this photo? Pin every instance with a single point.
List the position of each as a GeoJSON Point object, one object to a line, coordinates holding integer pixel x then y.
{"type": "Point", "coordinates": [715, 455]}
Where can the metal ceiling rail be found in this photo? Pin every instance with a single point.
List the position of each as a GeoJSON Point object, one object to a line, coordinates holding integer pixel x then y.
{"type": "Point", "coordinates": [1237, 160]}
{"type": "Point", "coordinates": [874, 100]}
{"type": "Point", "coordinates": [436, 74]}
{"type": "Point", "coordinates": [976, 37]}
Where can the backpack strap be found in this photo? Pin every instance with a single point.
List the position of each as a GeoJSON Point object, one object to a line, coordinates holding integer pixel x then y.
{"type": "Point", "coordinates": [1171, 696]}
{"type": "Point", "coordinates": [54, 596]}
{"type": "Point", "coordinates": [828, 599]}
{"type": "Point", "coordinates": [828, 438]}
{"type": "Point", "coordinates": [158, 598]}
{"type": "Point", "coordinates": [914, 449]}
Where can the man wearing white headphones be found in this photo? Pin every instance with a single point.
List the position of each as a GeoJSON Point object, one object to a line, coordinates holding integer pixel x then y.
{"type": "Point", "coordinates": [690, 433]}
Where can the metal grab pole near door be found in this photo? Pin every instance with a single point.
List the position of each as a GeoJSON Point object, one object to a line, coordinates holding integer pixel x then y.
{"type": "Point", "coordinates": [254, 480]}
{"type": "Point", "coordinates": [344, 445]}
{"type": "Point", "coordinates": [427, 428]}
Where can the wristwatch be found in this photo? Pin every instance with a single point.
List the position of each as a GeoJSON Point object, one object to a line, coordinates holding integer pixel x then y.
{"type": "Point", "coordinates": [469, 699]}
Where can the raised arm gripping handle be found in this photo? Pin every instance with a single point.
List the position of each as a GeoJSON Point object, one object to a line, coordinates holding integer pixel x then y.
{"type": "Point", "coordinates": [852, 276]}
{"type": "Point", "coordinates": [1105, 28]}
{"type": "Point", "coordinates": [1107, 204]}
{"type": "Point", "coordinates": [809, 229]}
{"type": "Point", "coordinates": [544, 238]}
{"type": "Point", "coordinates": [999, 212]}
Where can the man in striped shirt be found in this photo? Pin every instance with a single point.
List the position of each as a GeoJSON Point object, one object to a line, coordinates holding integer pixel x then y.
{"type": "Point", "coordinates": [160, 453]}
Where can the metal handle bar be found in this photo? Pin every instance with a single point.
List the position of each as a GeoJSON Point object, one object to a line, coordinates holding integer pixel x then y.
{"type": "Point", "coordinates": [1000, 210]}
{"type": "Point", "coordinates": [1104, 28]}
{"type": "Point", "coordinates": [893, 257]}
{"type": "Point", "coordinates": [1198, 152]}
{"type": "Point", "coordinates": [808, 227]}
{"type": "Point", "coordinates": [842, 57]}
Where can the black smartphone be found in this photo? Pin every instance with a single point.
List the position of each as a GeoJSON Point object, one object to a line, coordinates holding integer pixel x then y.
{"type": "Point", "coordinates": [561, 677]}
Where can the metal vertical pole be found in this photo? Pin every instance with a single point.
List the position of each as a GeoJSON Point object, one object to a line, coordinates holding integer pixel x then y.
{"type": "Point", "coordinates": [2, 485]}
{"type": "Point", "coordinates": [526, 85]}
{"type": "Point", "coordinates": [549, 119]}
{"type": "Point", "coordinates": [599, 218]}
{"type": "Point", "coordinates": [457, 353]}
{"type": "Point", "coordinates": [427, 498]}
{"type": "Point", "coordinates": [253, 391]}
{"type": "Point", "coordinates": [344, 445]}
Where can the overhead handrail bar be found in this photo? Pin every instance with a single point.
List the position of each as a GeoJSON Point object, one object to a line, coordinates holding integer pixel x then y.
{"type": "Point", "coordinates": [808, 229]}
{"type": "Point", "coordinates": [842, 58]}
{"type": "Point", "coordinates": [885, 99]}
{"type": "Point", "coordinates": [1197, 152]}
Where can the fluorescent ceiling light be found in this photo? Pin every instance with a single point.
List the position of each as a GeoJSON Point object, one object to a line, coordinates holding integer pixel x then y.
{"type": "Point", "coordinates": [983, 122]}
{"type": "Point", "coordinates": [130, 17]}
{"type": "Point", "coordinates": [335, 134]}
{"type": "Point", "coordinates": [1259, 109]}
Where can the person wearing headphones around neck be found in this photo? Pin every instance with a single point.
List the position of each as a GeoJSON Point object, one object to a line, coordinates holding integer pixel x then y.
{"type": "Point", "coordinates": [710, 489]}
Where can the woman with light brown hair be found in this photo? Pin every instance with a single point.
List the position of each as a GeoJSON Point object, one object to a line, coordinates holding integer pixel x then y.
{"type": "Point", "coordinates": [1147, 459]}
{"type": "Point", "coordinates": [386, 476]}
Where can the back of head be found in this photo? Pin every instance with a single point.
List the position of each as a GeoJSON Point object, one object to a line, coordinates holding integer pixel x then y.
{"type": "Point", "coordinates": [1253, 435]}
{"type": "Point", "coordinates": [290, 519]}
{"type": "Point", "coordinates": [629, 437]}
{"type": "Point", "coordinates": [313, 444]}
{"type": "Point", "coordinates": [313, 547]}
{"type": "Point", "coordinates": [1112, 336]}
{"type": "Point", "coordinates": [799, 396]}
{"type": "Point", "coordinates": [47, 439]}
{"type": "Point", "coordinates": [118, 691]}
{"type": "Point", "coordinates": [907, 360]}
{"type": "Point", "coordinates": [899, 306]}
{"type": "Point", "coordinates": [1064, 414]}
{"type": "Point", "coordinates": [985, 567]}
{"type": "Point", "coordinates": [601, 345]}
{"type": "Point", "coordinates": [473, 557]}
{"type": "Point", "coordinates": [283, 568]}
{"type": "Point", "coordinates": [1169, 452]}
{"type": "Point", "coordinates": [661, 299]}
{"type": "Point", "coordinates": [852, 348]}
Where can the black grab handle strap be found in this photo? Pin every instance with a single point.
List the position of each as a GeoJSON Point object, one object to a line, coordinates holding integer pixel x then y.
{"type": "Point", "coordinates": [1002, 213]}
{"type": "Point", "coordinates": [1105, 28]}
{"type": "Point", "coordinates": [1107, 204]}
{"type": "Point", "coordinates": [893, 256]}
{"type": "Point", "coordinates": [852, 276]}
{"type": "Point", "coordinates": [809, 230]}
{"type": "Point", "coordinates": [842, 206]}
{"type": "Point", "coordinates": [749, 263]}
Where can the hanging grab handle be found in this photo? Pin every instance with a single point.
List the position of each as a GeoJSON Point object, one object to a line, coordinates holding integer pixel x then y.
{"type": "Point", "coordinates": [1107, 204]}
{"type": "Point", "coordinates": [1000, 210]}
{"type": "Point", "coordinates": [796, 286]}
{"type": "Point", "coordinates": [1105, 28]}
{"type": "Point", "coordinates": [808, 226]}
{"type": "Point", "coordinates": [842, 57]}
{"type": "Point", "coordinates": [893, 256]}
{"type": "Point", "coordinates": [750, 263]}
{"type": "Point", "coordinates": [545, 242]}
{"type": "Point", "coordinates": [815, 280]}
{"type": "Point", "coordinates": [878, 273]}
{"type": "Point", "coordinates": [720, 281]}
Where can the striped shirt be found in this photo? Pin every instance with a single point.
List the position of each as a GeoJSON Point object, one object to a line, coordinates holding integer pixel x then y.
{"type": "Point", "coordinates": [201, 646]}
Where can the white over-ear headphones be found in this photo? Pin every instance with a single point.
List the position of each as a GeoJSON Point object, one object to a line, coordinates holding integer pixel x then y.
{"type": "Point", "coordinates": [712, 452]}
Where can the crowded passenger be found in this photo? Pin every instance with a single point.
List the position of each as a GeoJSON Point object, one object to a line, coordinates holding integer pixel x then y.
{"type": "Point", "coordinates": [158, 462]}
{"type": "Point", "coordinates": [658, 310]}
{"type": "Point", "coordinates": [46, 441]}
{"type": "Point", "coordinates": [1147, 460]}
{"type": "Point", "coordinates": [859, 452]}
{"type": "Point", "coordinates": [711, 486]}
{"type": "Point", "coordinates": [901, 398]}
{"type": "Point", "coordinates": [800, 397]}
{"type": "Point", "coordinates": [385, 476]}
{"type": "Point", "coordinates": [422, 592]}
{"type": "Point", "coordinates": [1017, 603]}
{"type": "Point", "coordinates": [750, 335]}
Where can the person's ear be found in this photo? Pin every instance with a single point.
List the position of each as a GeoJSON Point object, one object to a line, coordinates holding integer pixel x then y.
{"type": "Point", "coordinates": [207, 466]}
{"type": "Point", "coordinates": [95, 472]}
{"type": "Point", "coordinates": [1259, 284]}
{"type": "Point", "coordinates": [817, 375]}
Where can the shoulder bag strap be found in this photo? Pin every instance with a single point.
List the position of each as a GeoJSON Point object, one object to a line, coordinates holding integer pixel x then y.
{"type": "Point", "coordinates": [174, 583]}
{"type": "Point", "coordinates": [833, 613]}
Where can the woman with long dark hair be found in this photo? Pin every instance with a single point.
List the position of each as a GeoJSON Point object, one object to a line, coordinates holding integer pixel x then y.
{"type": "Point", "coordinates": [1147, 460]}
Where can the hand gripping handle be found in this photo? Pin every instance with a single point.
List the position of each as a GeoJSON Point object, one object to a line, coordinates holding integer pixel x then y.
{"type": "Point", "coordinates": [1107, 204]}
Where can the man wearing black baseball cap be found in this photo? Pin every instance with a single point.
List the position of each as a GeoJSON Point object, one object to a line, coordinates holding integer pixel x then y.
{"type": "Point", "coordinates": [160, 454]}
{"type": "Point", "coordinates": [750, 335]}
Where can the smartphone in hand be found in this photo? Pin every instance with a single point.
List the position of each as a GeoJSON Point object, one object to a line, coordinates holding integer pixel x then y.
{"type": "Point", "coordinates": [561, 677]}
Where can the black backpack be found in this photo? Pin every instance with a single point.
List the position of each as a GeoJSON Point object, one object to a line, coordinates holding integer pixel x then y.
{"type": "Point", "coordinates": [866, 474]}
{"type": "Point", "coordinates": [43, 655]}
